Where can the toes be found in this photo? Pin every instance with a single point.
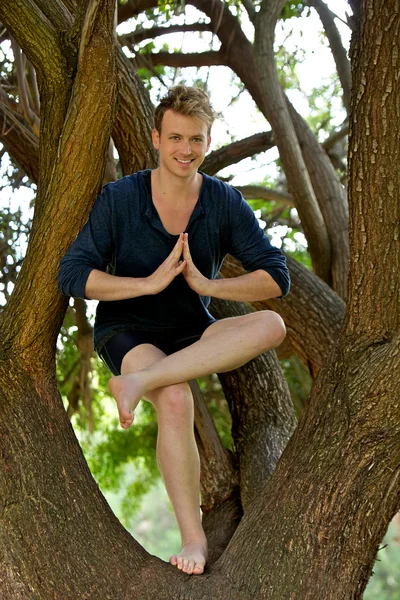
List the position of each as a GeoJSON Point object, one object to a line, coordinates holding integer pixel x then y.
{"type": "Point", "coordinates": [189, 569]}
{"type": "Point", "coordinates": [185, 565]}
{"type": "Point", "coordinates": [198, 569]}
{"type": "Point", "coordinates": [173, 560]}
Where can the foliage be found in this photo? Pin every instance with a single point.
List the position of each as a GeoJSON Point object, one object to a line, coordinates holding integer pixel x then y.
{"type": "Point", "coordinates": [385, 582]}
{"type": "Point", "coordinates": [293, 9]}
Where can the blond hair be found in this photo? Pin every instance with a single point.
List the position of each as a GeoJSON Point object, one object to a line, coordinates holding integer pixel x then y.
{"type": "Point", "coordinates": [189, 101]}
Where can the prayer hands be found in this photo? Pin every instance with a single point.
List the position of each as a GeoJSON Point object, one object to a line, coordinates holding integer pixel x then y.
{"type": "Point", "coordinates": [168, 270]}
{"type": "Point", "coordinates": [175, 264]}
{"type": "Point", "coordinates": [192, 275]}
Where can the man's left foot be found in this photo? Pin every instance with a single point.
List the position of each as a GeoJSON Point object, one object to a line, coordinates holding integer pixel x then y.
{"type": "Point", "coordinates": [191, 559]}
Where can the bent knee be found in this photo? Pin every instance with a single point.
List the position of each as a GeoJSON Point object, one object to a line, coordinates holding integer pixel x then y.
{"type": "Point", "coordinates": [274, 328]}
{"type": "Point", "coordinates": [176, 401]}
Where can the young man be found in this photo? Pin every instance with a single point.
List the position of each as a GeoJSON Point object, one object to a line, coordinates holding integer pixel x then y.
{"type": "Point", "coordinates": [162, 236]}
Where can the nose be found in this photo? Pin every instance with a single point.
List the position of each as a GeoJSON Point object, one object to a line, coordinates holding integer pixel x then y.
{"type": "Point", "coordinates": [186, 147]}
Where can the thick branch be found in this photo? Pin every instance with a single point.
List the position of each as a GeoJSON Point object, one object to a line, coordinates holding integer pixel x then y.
{"type": "Point", "coordinates": [256, 192]}
{"type": "Point", "coordinates": [177, 59]}
{"type": "Point", "coordinates": [332, 200]}
{"type": "Point", "coordinates": [262, 413]}
{"type": "Point", "coordinates": [295, 170]}
{"type": "Point", "coordinates": [133, 120]}
{"type": "Point", "coordinates": [73, 184]}
{"type": "Point", "coordinates": [18, 140]}
{"type": "Point", "coordinates": [57, 13]}
{"type": "Point", "coordinates": [36, 36]}
{"type": "Point", "coordinates": [139, 35]}
{"type": "Point", "coordinates": [338, 51]}
{"type": "Point", "coordinates": [237, 151]}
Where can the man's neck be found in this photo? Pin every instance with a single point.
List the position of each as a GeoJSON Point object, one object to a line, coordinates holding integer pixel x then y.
{"type": "Point", "coordinates": [180, 189]}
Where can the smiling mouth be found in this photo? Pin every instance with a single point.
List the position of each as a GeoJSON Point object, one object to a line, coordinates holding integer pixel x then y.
{"type": "Point", "coordinates": [184, 162]}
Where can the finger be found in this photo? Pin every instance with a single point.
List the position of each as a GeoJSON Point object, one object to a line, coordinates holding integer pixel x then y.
{"type": "Point", "coordinates": [186, 251]}
{"type": "Point", "coordinates": [176, 251]}
{"type": "Point", "coordinates": [180, 267]}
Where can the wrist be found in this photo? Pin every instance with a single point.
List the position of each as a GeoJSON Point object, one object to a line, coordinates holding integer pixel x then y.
{"type": "Point", "coordinates": [209, 288]}
{"type": "Point", "coordinates": [143, 286]}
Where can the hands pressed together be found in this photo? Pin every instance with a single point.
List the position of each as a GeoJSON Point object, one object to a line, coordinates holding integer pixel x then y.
{"type": "Point", "coordinates": [179, 261]}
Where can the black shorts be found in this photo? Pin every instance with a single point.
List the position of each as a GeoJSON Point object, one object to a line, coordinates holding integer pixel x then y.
{"type": "Point", "coordinates": [114, 350]}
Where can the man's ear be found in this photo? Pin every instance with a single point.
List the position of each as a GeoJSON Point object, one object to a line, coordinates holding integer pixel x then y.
{"type": "Point", "coordinates": [155, 136]}
{"type": "Point", "coordinates": [208, 143]}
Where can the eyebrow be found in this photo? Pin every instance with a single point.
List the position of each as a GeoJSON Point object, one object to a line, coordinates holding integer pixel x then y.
{"type": "Point", "coordinates": [194, 135]}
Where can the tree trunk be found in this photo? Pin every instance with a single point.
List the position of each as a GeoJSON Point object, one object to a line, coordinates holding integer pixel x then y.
{"type": "Point", "coordinates": [313, 528]}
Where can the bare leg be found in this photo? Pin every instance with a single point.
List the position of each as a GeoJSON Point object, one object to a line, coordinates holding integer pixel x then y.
{"type": "Point", "coordinates": [224, 346]}
{"type": "Point", "coordinates": [178, 459]}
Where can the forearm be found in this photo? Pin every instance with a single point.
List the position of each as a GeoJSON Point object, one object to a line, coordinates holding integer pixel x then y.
{"type": "Point", "coordinates": [103, 286]}
{"type": "Point", "coordinates": [258, 285]}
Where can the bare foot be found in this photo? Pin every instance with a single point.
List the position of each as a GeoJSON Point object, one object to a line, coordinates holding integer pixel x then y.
{"type": "Point", "coordinates": [127, 391]}
{"type": "Point", "coordinates": [191, 559]}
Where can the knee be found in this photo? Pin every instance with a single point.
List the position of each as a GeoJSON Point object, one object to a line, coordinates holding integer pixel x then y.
{"type": "Point", "coordinates": [274, 328]}
{"type": "Point", "coordinates": [175, 402]}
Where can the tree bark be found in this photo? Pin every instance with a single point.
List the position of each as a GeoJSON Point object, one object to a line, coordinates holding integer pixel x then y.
{"type": "Point", "coordinates": [262, 413]}
{"type": "Point", "coordinates": [315, 525]}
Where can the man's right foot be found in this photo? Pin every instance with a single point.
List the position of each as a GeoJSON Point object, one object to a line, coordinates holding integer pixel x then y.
{"type": "Point", "coordinates": [191, 560]}
{"type": "Point", "coordinates": [127, 391]}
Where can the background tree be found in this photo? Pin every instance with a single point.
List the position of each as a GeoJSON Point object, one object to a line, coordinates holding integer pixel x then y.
{"type": "Point", "coordinates": [313, 525]}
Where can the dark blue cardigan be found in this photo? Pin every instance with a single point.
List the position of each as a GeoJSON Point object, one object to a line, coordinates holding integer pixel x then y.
{"type": "Point", "coordinates": [124, 235]}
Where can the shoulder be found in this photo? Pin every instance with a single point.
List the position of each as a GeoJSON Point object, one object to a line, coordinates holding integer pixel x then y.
{"type": "Point", "coordinates": [221, 192]}
{"type": "Point", "coordinates": [125, 184]}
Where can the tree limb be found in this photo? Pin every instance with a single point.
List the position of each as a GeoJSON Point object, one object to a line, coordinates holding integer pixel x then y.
{"type": "Point", "coordinates": [143, 34]}
{"type": "Point", "coordinates": [24, 94]}
{"type": "Point", "coordinates": [338, 51]}
{"type": "Point", "coordinates": [36, 36]}
{"type": "Point", "coordinates": [255, 192]}
{"type": "Point", "coordinates": [332, 199]}
{"type": "Point", "coordinates": [250, 9]}
{"type": "Point", "coordinates": [237, 151]}
{"type": "Point", "coordinates": [83, 140]}
{"type": "Point", "coordinates": [178, 59]}
{"type": "Point", "coordinates": [18, 140]}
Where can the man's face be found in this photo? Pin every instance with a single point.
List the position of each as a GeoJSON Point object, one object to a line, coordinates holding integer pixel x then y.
{"type": "Point", "coordinates": [182, 143]}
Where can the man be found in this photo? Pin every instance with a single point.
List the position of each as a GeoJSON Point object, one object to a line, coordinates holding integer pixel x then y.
{"type": "Point", "coordinates": [161, 236]}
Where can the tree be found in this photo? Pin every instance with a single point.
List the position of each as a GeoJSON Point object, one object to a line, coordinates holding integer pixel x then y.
{"type": "Point", "coordinates": [304, 525]}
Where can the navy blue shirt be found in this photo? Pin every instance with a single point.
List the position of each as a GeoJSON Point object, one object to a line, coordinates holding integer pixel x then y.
{"type": "Point", "coordinates": [125, 237]}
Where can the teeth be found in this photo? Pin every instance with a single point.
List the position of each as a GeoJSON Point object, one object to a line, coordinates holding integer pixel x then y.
{"type": "Point", "coordinates": [185, 162]}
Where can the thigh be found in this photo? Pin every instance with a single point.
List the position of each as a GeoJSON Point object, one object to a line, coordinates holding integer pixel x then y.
{"type": "Point", "coordinates": [116, 348]}
{"type": "Point", "coordinates": [143, 356]}
{"type": "Point", "coordinates": [140, 357]}
{"type": "Point", "coordinates": [229, 322]}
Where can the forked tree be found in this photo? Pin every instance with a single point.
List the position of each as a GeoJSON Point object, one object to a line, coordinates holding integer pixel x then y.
{"type": "Point", "coordinates": [301, 512]}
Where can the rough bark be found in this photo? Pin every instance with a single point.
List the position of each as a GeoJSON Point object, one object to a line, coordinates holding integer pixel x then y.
{"type": "Point", "coordinates": [262, 412]}
{"type": "Point", "coordinates": [314, 528]}
{"type": "Point", "coordinates": [346, 483]}
{"type": "Point", "coordinates": [133, 120]}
